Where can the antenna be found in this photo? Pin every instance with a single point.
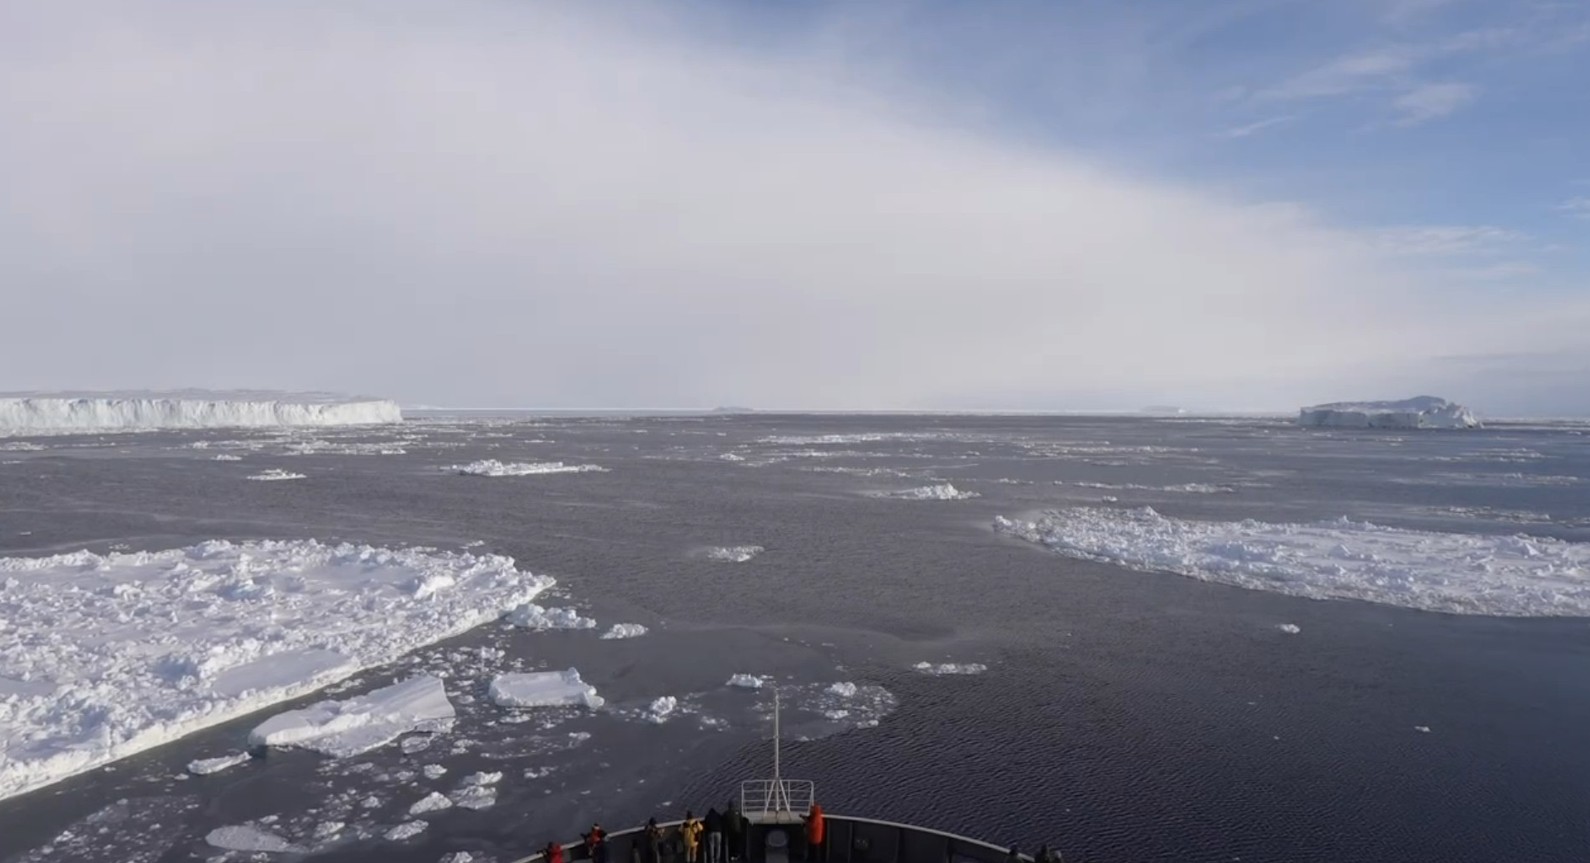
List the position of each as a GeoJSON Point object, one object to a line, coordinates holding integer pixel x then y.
{"type": "Point", "coordinates": [776, 775]}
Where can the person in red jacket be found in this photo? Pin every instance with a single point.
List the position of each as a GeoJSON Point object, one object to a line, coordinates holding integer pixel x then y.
{"type": "Point", "coordinates": [596, 844]}
{"type": "Point", "coordinates": [553, 853]}
{"type": "Point", "coordinates": [816, 834]}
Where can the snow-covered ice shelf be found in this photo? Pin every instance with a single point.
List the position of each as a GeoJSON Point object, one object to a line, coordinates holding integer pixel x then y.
{"type": "Point", "coordinates": [492, 467]}
{"type": "Point", "coordinates": [116, 411]}
{"type": "Point", "coordinates": [1460, 573]}
{"type": "Point", "coordinates": [120, 652]}
{"type": "Point", "coordinates": [1420, 412]}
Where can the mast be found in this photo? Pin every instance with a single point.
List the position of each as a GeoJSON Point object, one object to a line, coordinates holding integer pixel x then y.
{"type": "Point", "coordinates": [778, 779]}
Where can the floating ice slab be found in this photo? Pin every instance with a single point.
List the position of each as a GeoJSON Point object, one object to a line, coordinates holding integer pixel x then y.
{"type": "Point", "coordinates": [492, 467]}
{"type": "Point", "coordinates": [734, 553]}
{"type": "Point", "coordinates": [361, 723]}
{"type": "Point", "coordinates": [544, 689]}
{"type": "Point", "coordinates": [532, 616]}
{"type": "Point", "coordinates": [432, 802]}
{"type": "Point", "coordinates": [244, 837]}
{"type": "Point", "coordinates": [1289, 628]}
{"type": "Point", "coordinates": [406, 830]}
{"type": "Point", "coordinates": [1421, 412]}
{"type": "Point", "coordinates": [100, 411]}
{"type": "Point", "coordinates": [944, 668]}
{"type": "Point", "coordinates": [843, 690]}
{"type": "Point", "coordinates": [661, 709]}
{"type": "Point", "coordinates": [121, 652]}
{"type": "Point", "coordinates": [745, 681]}
{"type": "Point", "coordinates": [275, 474]}
{"type": "Point", "coordinates": [942, 491]}
{"type": "Point", "coordinates": [206, 766]}
{"type": "Point", "coordinates": [1451, 572]}
{"type": "Point", "coordinates": [625, 630]}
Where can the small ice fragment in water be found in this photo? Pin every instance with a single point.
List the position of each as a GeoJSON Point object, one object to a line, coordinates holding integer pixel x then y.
{"type": "Point", "coordinates": [1422, 729]}
{"type": "Point", "coordinates": [433, 771]}
{"type": "Point", "coordinates": [432, 802]}
{"type": "Point", "coordinates": [407, 830]}
{"type": "Point", "coordinates": [1289, 628]}
{"type": "Point", "coordinates": [625, 630]}
{"type": "Point", "coordinates": [844, 690]}
{"type": "Point", "coordinates": [661, 708]}
{"type": "Point", "coordinates": [745, 681]}
{"type": "Point", "coordinates": [206, 766]}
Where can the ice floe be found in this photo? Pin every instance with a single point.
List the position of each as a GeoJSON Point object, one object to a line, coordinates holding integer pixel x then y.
{"type": "Point", "coordinates": [1289, 628]}
{"type": "Point", "coordinates": [358, 724]}
{"type": "Point", "coordinates": [126, 651]}
{"type": "Point", "coordinates": [1186, 487]}
{"type": "Point", "coordinates": [544, 689]}
{"type": "Point", "coordinates": [433, 771]}
{"type": "Point", "coordinates": [532, 616]}
{"type": "Point", "coordinates": [432, 802]}
{"type": "Point", "coordinates": [227, 457]}
{"type": "Point", "coordinates": [406, 830]}
{"type": "Point", "coordinates": [843, 690]}
{"type": "Point", "coordinates": [745, 681]}
{"type": "Point", "coordinates": [244, 837]}
{"type": "Point", "coordinates": [943, 668]}
{"type": "Point", "coordinates": [661, 708]}
{"type": "Point", "coordinates": [734, 553]}
{"type": "Point", "coordinates": [1459, 573]}
{"type": "Point", "coordinates": [492, 467]}
{"type": "Point", "coordinates": [206, 766]}
{"type": "Point", "coordinates": [625, 630]}
{"type": "Point", "coordinates": [275, 474]}
{"type": "Point", "coordinates": [941, 491]}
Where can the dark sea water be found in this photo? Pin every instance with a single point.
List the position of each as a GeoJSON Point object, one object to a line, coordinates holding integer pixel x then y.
{"type": "Point", "coordinates": [1124, 715]}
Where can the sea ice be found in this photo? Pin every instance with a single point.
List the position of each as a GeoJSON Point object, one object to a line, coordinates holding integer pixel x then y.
{"type": "Point", "coordinates": [475, 797]}
{"type": "Point", "coordinates": [661, 709]}
{"type": "Point", "coordinates": [481, 779]}
{"type": "Point", "coordinates": [406, 830]}
{"type": "Point", "coordinates": [433, 771]}
{"type": "Point", "coordinates": [745, 681]}
{"type": "Point", "coordinates": [492, 467]}
{"type": "Point", "coordinates": [227, 457]}
{"type": "Point", "coordinates": [544, 689]}
{"type": "Point", "coordinates": [206, 766]}
{"type": "Point", "coordinates": [432, 802]}
{"type": "Point", "coordinates": [625, 630]}
{"type": "Point", "coordinates": [942, 491]}
{"type": "Point", "coordinates": [1450, 572]}
{"type": "Point", "coordinates": [99, 411]}
{"type": "Point", "coordinates": [734, 553]}
{"type": "Point", "coordinates": [532, 616]}
{"type": "Point", "coordinates": [1289, 628]}
{"type": "Point", "coordinates": [843, 690]}
{"type": "Point", "coordinates": [275, 474]}
{"type": "Point", "coordinates": [361, 723]}
{"type": "Point", "coordinates": [126, 651]}
{"type": "Point", "coordinates": [244, 837]}
{"type": "Point", "coordinates": [950, 668]}
{"type": "Point", "coordinates": [1421, 412]}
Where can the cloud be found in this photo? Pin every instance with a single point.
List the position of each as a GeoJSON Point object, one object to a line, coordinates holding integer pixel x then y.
{"type": "Point", "coordinates": [1430, 101]}
{"type": "Point", "coordinates": [1577, 207]}
{"type": "Point", "coordinates": [1255, 127]}
{"type": "Point", "coordinates": [542, 204]}
{"type": "Point", "coordinates": [1446, 239]}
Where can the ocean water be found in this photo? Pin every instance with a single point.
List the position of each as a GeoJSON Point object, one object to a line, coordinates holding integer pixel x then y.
{"type": "Point", "coordinates": [1124, 715]}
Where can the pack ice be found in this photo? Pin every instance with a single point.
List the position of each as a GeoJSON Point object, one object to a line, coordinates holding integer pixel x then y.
{"type": "Point", "coordinates": [102, 656]}
{"type": "Point", "coordinates": [1459, 573]}
{"type": "Point", "coordinates": [1420, 412]}
{"type": "Point", "coordinates": [100, 411]}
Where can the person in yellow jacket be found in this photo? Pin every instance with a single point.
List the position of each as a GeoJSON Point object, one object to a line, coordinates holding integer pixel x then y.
{"type": "Point", "coordinates": [690, 831]}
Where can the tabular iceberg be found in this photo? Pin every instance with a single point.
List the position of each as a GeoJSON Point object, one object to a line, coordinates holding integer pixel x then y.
{"type": "Point", "coordinates": [1420, 412]}
{"type": "Point", "coordinates": [114, 411]}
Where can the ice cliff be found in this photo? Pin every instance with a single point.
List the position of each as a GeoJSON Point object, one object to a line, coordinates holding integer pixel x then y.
{"type": "Point", "coordinates": [98, 411]}
{"type": "Point", "coordinates": [1420, 412]}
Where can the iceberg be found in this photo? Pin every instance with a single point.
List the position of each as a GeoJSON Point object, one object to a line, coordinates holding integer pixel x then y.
{"type": "Point", "coordinates": [143, 410]}
{"type": "Point", "coordinates": [1420, 412]}
{"type": "Point", "coordinates": [544, 689]}
{"type": "Point", "coordinates": [125, 651]}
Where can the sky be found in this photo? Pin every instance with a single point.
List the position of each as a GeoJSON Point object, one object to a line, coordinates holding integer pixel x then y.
{"type": "Point", "coordinates": [1061, 205]}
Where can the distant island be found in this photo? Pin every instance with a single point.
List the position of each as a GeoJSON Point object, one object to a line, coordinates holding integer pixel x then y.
{"type": "Point", "coordinates": [1419, 412]}
{"type": "Point", "coordinates": [731, 409]}
{"type": "Point", "coordinates": [1164, 410]}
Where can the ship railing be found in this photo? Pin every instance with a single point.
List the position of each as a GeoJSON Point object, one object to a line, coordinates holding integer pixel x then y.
{"type": "Point", "coordinates": [776, 799]}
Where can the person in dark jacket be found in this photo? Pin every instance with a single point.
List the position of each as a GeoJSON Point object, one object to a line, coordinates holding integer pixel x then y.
{"type": "Point", "coordinates": [712, 822]}
{"type": "Point", "coordinates": [653, 841]}
{"type": "Point", "coordinates": [734, 831]}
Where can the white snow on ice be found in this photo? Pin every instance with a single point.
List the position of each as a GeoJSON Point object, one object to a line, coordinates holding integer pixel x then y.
{"type": "Point", "coordinates": [406, 830]}
{"type": "Point", "coordinates": [532, 616]}
{"type": "Point", "coordinates": [1289, 628]}
{"type": "Point", "coordinates": [432, 802]}
{"type": "Point", "coordinates": [349, 727]}
{"type": "Point", "coordinates": [625, 630]}
{"type": "Point", "coordinates": [734, 553]}
{"type": "Point", "coordinates": [276, 474]}
{"type": "Point", "coordinates": [1420, 412]}
{"type": "Point", "coordinates": [661, 709]}
{"type": "Point", "coordinates": [1459, 573]}
{"type": "Point", "coordinates": [492, 467]}
{"type": "Point", "coordinates": [843, 690]}
{"type": "Point", "coordinates": [745, 681]}
{"type": "Point", "coordinates": [544, 689]}
{"type": "Point", "coordinates": [120, 411]}
{"type": "Point", "coordinates": [950, 668]}
{"type": "Point", "coordinates": [244, 837]}
{"type": "Point", "coordinates": [206, 766]}
{"type": "Point", "coordinates": [121, 652]}
{"type": "Point", "coordinates": [227, 457]}
{"type": "Point", "coordinates": [942, 491]}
